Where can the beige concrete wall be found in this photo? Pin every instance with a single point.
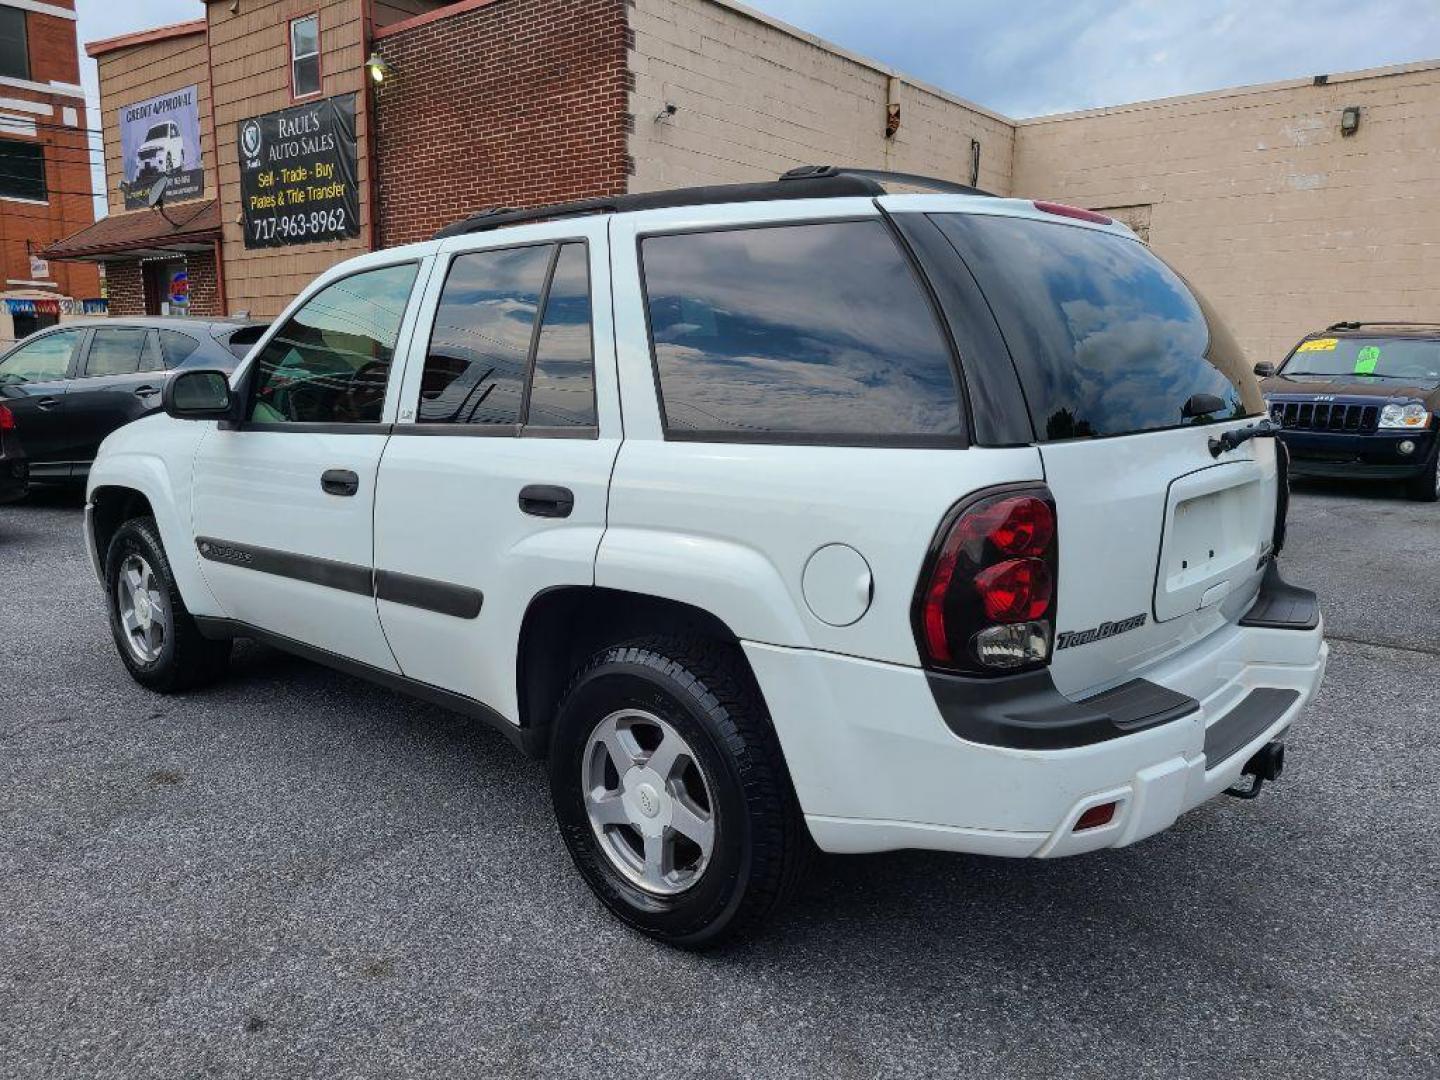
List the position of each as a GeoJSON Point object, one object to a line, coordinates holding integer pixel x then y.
{"type": "Point", "coordinates": [145, 71]}
{"type": "Point", "coordinates": [1256, 197]}
{"type": "Point", "coordinates": [757, 97]}
{"type": "Point", "coordinates": [250, 58]}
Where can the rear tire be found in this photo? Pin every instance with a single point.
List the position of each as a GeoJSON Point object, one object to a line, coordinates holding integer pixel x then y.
{"type": "Point", "coordinates": [1426, 486]}
{"type": "Point", "coordinates": [156, 637]}
{"type": "Point", "coordinates": [725, 866]}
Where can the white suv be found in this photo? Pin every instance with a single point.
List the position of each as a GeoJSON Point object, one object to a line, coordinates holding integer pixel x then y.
{"type": "Point", "coordinates": [771, 513]}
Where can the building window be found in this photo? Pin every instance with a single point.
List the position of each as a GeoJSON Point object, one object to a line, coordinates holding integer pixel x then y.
{"type": "Point", "coordinates": [305, 56]}
{"type": "Point", "coordinates": [14, 48]}
{"type": "Point", "coordinates": [22, 170]}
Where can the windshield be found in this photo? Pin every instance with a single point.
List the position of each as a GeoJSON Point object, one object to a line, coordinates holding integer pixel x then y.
{"type": "Point", "coordinates": [159, 131]}
{"type": "Point", "coordinates": [1357, 359]}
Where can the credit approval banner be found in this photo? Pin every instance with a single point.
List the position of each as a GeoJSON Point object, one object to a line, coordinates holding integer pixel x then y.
{"type": "Point", "coordinates": [160, 138]}
{"type": "Point", "coordinates": [298, 174]}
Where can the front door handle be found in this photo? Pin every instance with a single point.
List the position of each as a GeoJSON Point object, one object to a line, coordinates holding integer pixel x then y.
{"type": "Point", "coordinates": [146, 391]}
{"type": "Point", "coordinates": [547, 500]}
{"type": "Point", "coordinates": [339, 482]}
{"type": "Point", "coordinates": [47, 403]}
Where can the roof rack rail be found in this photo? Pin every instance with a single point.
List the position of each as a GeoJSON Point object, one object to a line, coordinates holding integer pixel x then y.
{"type": "Point", "coordinates": [883, 176]}
{"type": "Point", "coordinates": [1379, 322]}
{"type": "Point", "coordinates": [806, 182]}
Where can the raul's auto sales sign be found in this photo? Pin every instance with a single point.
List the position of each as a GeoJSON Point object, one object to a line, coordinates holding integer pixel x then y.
{"type": "Point", "coordinates": [298, 174]}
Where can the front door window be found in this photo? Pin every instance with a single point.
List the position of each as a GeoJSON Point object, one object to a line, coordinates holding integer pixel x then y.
{"type": "Point", "coordinates": [330, 362]}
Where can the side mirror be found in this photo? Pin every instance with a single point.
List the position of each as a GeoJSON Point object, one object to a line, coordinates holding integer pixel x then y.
{"type": "Point", "coordinates": [1264, 369]}
{"type": "Point", "coordinates": [1201, 405]}
{"type": "Point", "coordinates": [198, 395]}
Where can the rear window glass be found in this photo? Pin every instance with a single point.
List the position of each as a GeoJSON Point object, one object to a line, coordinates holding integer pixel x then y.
{"type": "Point", "coordinates": [177, 347]}
{"type": "Point", "coordinates": [1108, 340]}
{"type": "Point", "coordinates": [480, 344]}
{"type": "Point", "coordinates": [562, 385]}
{"type": "Point", "coordinates": [242, 340]}
{"type": "Point", "coordinates": [814, 331]}
{"type": "Point", "coordinates": [1360, 359]}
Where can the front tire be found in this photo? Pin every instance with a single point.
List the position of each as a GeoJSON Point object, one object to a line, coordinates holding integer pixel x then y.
{"type": "Point", "coordinates": [156, 637]}
{"type": "Point", "coordinates": [671, 791]}
{"type": "Point", "coordinates": [1426, 486]}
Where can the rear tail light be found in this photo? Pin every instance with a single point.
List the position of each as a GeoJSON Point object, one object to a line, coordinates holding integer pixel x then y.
{"type": "Point", "coordinates": [986, 599]}
{"type": "Point", "coordinates": [1076, 212]}
{"type": "Point", "coordinates": [7, 419]}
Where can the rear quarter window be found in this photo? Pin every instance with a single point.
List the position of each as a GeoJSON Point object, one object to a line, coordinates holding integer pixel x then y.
{"type": "Point", "coordinates": [1107, 339]}
{"type": "Point", "coordinates": [808, 332]}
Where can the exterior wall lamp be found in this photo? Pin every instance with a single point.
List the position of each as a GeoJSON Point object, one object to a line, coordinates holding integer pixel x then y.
{"type": "Point", "coordinates": [377, 67]}
{"type": "Point", "coordinates": [1350, 120]}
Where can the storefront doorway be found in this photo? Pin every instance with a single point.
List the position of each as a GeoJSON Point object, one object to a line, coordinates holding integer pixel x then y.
{"type": "Point", "coordinates": [167, 287]}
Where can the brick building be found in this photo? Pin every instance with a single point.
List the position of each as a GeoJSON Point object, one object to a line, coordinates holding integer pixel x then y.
{"type": "Point", "coordinates": [44, 166]}
{"type": "Point", "coordinates": [1257, 194]}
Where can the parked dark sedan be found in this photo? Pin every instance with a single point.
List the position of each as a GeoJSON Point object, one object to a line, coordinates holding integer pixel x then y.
{"type": "Point", "coordinates": [1361, 400]}
{"type": "Point", "coordinates": [68, 387]}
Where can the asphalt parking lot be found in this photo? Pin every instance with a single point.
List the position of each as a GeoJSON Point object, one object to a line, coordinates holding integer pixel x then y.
{"type": "Point", "coordinates": [299, 874]}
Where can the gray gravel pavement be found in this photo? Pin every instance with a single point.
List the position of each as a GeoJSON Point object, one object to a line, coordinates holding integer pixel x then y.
{"type": "Point", "coordinates": [297, 874]}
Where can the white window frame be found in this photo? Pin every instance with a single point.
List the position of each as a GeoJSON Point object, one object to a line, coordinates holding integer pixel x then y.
{"type": "Point", "coordinates": [295, 59]}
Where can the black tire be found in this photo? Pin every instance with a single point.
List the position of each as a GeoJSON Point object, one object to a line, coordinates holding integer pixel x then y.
{"type": "Point", "coordinates": [705, 692]}
{"type": "Point", "coordinates": [1426, 486]}
{"type": "Point", "coordinates": [186, 658]}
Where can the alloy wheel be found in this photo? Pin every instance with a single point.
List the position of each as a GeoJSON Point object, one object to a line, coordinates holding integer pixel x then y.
{"type": "Point", "coordinates": [648, 801]}
{"type": "Point", "coordinates": [144, 612]}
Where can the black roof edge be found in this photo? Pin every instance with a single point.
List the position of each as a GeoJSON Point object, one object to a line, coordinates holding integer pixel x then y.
{"type": "Point", "coordinates": [1378, 322]}
{"type": "Point", "coordinates": [805, 182]}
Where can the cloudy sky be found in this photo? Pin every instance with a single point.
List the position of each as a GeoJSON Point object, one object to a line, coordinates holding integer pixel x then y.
{"type": "Point", "coordinates": [1054, 55]}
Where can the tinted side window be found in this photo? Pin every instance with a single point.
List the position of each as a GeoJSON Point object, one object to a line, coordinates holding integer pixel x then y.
{"type": "Point", "coordinates": [330, 361]}
{"type": "Point", "coordinates": [562, 388]}
{"type": "Point", "coordinates": [1108, 340]}
{"type": "Point", "coordinates": [177, 347]}
{"type": "Point", "coordinates": [809, 330]}
{"type": "Point", "coordinates": [121, 352]}
{"type": "Point", "coordinates": [42, 359]}
{"type": "Point", "coordinates": [475, 363]}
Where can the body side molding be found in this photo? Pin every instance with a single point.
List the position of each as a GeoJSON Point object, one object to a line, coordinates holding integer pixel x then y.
{"type": "Point", "coordinates": [458, 601]}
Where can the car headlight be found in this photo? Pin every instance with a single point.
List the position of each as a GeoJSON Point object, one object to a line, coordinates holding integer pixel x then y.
{"type": "Point", "coordinates": [1413, 415]}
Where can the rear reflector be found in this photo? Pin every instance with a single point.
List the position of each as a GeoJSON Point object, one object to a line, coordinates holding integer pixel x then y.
{"type": "Point", "coordinates": [1096, 816]}
{"type": "Point", "coordinates": [1079, 213]}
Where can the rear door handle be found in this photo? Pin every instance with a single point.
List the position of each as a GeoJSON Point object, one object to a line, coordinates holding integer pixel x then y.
{"type": "Point", "coordinates": [547, 500]}
{"type": "Point", "coordinates": [146, 391]}
{"type": "Point", "coordinates": [47, 403]}
{"type": "Point", "coordinates": [339, 482]}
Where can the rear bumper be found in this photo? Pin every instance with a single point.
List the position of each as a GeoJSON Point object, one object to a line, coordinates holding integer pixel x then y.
{"type": "Point", "coordinates": [876, 767]}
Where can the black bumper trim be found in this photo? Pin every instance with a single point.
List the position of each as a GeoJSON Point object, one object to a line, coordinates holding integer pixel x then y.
{"type": "Point", "coordinates": [1355, 470]}
{"type": "Point", "coordinates": [1256, 711]}
{"type": "Point", "coordinates": [1282, 606]}
{"type": "Point", "coordinates": [1027, 712]}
